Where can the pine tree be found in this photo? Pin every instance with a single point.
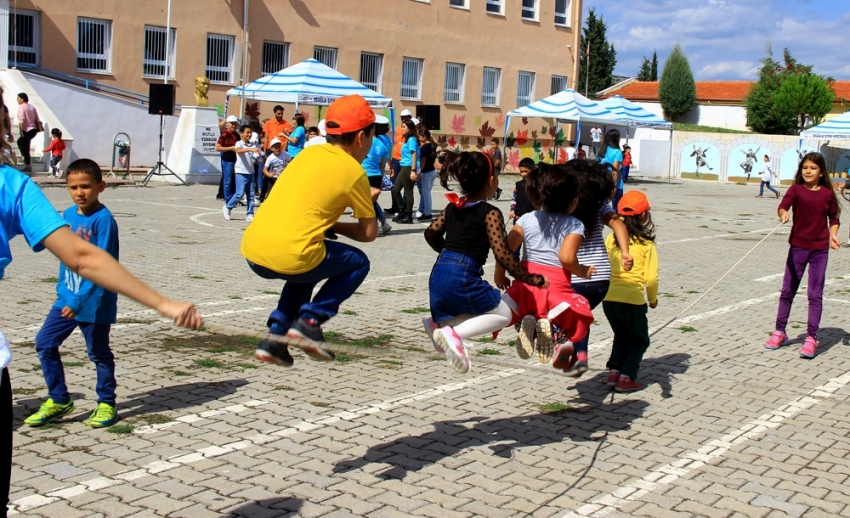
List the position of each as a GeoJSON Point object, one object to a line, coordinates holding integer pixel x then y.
{"type": "Point", "coordinates": [603, 56]}
{"type": "Point", "coordinates": [654, 67]}
{"type": "Point", "coordinates": [762, 115]}
{"type": "Point", "coordinates": [645, 71]}
{"type": "Point", "coordinates": [677, 90]}
{"type": "Point", "coordinates": [804, 97]}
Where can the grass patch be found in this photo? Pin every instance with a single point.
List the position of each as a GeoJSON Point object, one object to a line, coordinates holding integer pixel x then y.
{"type": "Point", "coordinates": [687, 329]}
{"type": "Point", "coordinates": [415, 349]}
{"type": "Point", "coordinates": [24, 391]}
{"type": "Point", "coordinates": [270, 292]}
{"type": "Point", "coordinates": [349, 312]}
{"type": "Point", "coordinates": [73, 364]}
{"type": "Point", "coordinates": [511, 343]}
{"type": "Point", "coordinates": [745, 214]}
{"type": "Point", "coordinates": [489, 352]}
{"type": "Point", "coordinates": [135, 321]}
{"type": "Point", "coordinates": [668, 295]}
{"type": "Point", "coordinates": [181, 373]}
{"type": "Point", "coordinates": [320, 404]}
{"type": "Point", "coordinates": [50, 279]}
{"type": "Point", "coordinates": [555, 408]}
{"type": "Point", "coordinates": [152, 419]}
{"type": "Point", "coordinates": [247, 365]}
{"type": "Point", "coordinates": [332, 337]}
{"type": "Point", "coordinates": [691, 292]}
{"type": "Point", "coordinates": [703, 226]}
{"type": "Point", "coordinates": [36, 367]}
{"type": "Point", "coordinates": [120, 428]}
{"type": "Point", "coordinates": [386, 290]}
{"type": "Point", "coordinates": [51, 426]}
{"type": "Point", "coordinates": [391, 362]}
{"type": "Point", "coordinates": [407, 288]}
{"type": "Point", "coordinates": [342, 357]}
{"type": "Point", "coordinates": [436, 357]}
{"type": "Point", "coordinates": [684, 126]}
{"type": "Point", "coordinates": [741, 183]}
{"type": "Point", "coordinates": [207, 363]}
{"type": "Point", "coordinates": [235, 297]}
{"type": "Point", "coordinates": [197, 277]}
{"type": "Point", "coordinates": [414, 311]}
{"type": "Point", "coordinates": [283, 387]}
{"type": "Point", "coordinates": [244, 345]}
{"type": "Point", "coordinates": [224, 349]}
{"type": "Point", "coordinates": [485, 340]}
{"type": "Point", "coordinates": [357, 293]}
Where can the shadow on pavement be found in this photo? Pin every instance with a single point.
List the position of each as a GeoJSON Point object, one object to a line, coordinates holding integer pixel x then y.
{"type": "Point", "coordinates": [828, 337]}
{"type": "Point", "coordinates": [271, 508]}
{"type": "Point", "coordinates": [653, 371]}
{"type": "Point", "coordinates": [176, 397]}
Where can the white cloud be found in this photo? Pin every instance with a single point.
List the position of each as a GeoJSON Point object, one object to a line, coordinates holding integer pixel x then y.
{"type": "Point", "coordinates": [726, 69]}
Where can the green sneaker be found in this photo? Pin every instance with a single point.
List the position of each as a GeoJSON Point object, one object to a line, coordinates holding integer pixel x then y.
{"type": "Point", "coordinates": [48, 412]}
{"type": "Point", "coordinates": [104, 415]}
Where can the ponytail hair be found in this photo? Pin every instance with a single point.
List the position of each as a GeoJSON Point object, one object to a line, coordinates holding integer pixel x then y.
{"type": "Point", "coordinates": [472, 170]}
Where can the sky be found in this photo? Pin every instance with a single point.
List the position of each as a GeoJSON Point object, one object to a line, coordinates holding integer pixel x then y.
{"type": "Point", "coordinates": [725, 39]}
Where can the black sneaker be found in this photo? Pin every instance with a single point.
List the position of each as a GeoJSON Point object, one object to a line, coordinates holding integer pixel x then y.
{"type": "Point", "coordinates": [392, 210]}
{"type": "Point", "coordinates": [274, 352]}
{"type": "Point", "coordinates": [424, 218]}
{"type": "Point", "coordinates": [310, 339]}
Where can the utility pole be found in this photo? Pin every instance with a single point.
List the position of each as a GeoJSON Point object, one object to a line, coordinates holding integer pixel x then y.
{"type": "Point", "coordinates": [167, 43]}
{"type": "Point", "coordinates": [244, 58]}
{"type": "Point", "coordinates": [587, 69]}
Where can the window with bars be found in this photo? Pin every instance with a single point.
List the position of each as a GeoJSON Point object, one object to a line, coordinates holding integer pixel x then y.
{"type": "Point", "coordinates": [411, 79]}
{"type": "Point", "coordinates": [494, 6]}
{"type": "Point", "coordinates": [275, 57]}
{"type": "Point", "coordinates": [559, 84]}
{"type": "Point", "coordinates": [220, 58]}
{"type": "Point", "coordinates": [529, 9]}
{"type": "Point", "coordinates": [455, 79]}
{"type": "Point", "coordinates": [463, 4]}
{"type": "Point", "coordinates": [371, 70]}
{"type": "Point", "coordinates": [153, 60]}
{"type": "Point", "coordinates": [24, 38]}
{"type": "Point", "coordinates": [562, 12]}
{"type": "Point", "coordinates": [326, 56]}
{"type": "Point", "coordinates": [491, 86]}
{"type": "Point", "coordinates": [525, 89]}
{"type": "Point", "coordinates": [94, 45]}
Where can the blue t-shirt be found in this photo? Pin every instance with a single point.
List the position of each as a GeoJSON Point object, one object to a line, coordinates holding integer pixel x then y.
{"type": "Point", "coordinates": [23, 211]}
{"type": "Point", "coordinates": [301, 135]}
{"type": "Point", "coordinates": [90, 302]}
{"type": "Point", "coordinates": [407, 150]}
{"type": "Point", "coordinates": [614, 155]}
{"type": "Point", "coordinates": [381, 148]}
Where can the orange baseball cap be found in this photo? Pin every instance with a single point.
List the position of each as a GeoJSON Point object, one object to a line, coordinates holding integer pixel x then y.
{"type": "Point", "coordinates": [348, 114]}
{"type": "Point", "coordinates": [633, 203]}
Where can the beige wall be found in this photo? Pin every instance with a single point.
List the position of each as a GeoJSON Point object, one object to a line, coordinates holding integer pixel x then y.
{"type": "Point", "coordinates": [432, 31]}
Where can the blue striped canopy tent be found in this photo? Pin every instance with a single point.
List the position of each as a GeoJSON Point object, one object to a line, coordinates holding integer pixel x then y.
{"type": "Point", "coordinates": [833, 129]}
{"type": "Point", "coordinates": [636, 116]}
{"type": "Point", "coordinates": [309, 82]}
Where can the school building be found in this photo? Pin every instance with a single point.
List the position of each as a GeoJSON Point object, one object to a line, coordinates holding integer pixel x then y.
{"type": "Point", "coordinates": [475, 59]}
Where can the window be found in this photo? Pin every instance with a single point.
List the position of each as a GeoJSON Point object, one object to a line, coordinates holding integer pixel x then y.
{"type": "Point", "coordinates": [529, 9]}
{"type": "Point", "coordinates": [494, 6]}
{"type": "Point", "coordinates": [371, 70]}
{"type": "Point", "coordinates": [153, 61]}
{"type": "Point", "coordinates": [455, 79]}
{"type": "Point", "coordinates": [326, 56]}
{"type": "Point", "coordinates": [491, 86]}
{"type": "Point", "coordinates": [411, 79]}
{"type": "Point", "coordinates": [275, 57]}
{"type": "Point", "coordinates": [94, 46]}
{"type": "Point", "coordinates": [462, 4]}
{"type": "Point", "coordinates": [525, 89]}
{"type": "Point", "coordinates": [220, 58]}
{"type": "Point", "coordinates": [24, 38]}
{"type": "Point", "coordinates": [562, 15]}
{"type": "Point", "coordinates": [559, 84]}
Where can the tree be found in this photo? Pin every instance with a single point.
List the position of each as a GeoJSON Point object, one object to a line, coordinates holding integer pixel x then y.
{"type": "Point", "coordinates": [654, 67]}
{"type": "Point", "coordinates": [677, 90]}
{"type": "Point", "coordinates": [645, 71]}
{"type": "Point", "coordinates": [603, 57]}
{"type": "Point", "coordinates": [806, 98]}
{"type": "Point", "coordinates": [762, 115]}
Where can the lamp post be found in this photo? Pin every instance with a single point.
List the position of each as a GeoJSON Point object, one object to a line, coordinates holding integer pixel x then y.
{"type": "Point", "coordinates": [167, 43]}
{"type": "Point", "coordinates": [244, 58]}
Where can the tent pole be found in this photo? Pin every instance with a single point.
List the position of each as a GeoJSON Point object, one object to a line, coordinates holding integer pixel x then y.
{"type": "Point", "coordinates": [557, 131]}
{"type": "Point", "coordinates": [505, 140]}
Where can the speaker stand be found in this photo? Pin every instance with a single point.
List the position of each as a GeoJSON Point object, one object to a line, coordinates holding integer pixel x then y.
{"type": "Point", "coordinates": [157, 170]}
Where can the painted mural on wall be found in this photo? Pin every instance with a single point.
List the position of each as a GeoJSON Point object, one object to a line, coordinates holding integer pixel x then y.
{"type": "Point", "coordinates": [843, 164]}
{"type": "Point", "coordinates": [746, 161]}
{"type": "Point", "coordinates": [791, 159]}
{"type": "Point", "coordinates": [700, 160]}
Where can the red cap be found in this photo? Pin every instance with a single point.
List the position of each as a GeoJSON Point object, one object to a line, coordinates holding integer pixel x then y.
{"type": "Point", "coordinates": [348, 114]}
{"type": "Point", "coordinates": [633, 203]}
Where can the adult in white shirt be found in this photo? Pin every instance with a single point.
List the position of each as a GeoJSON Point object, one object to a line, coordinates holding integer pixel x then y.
{"type": "Point", "coordinates": [596, 137]}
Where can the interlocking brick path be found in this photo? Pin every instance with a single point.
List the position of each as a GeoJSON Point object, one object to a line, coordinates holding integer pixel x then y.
{"type": "Point", "coordinates": [724, 428]}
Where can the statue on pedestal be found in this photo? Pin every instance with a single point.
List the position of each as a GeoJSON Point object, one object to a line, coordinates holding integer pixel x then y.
{"type": "Point", "coordinates": [202, 87]}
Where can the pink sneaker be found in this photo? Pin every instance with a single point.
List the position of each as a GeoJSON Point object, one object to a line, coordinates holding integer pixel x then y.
{"type": "Point", "coordinates": [564, 358]}
{"type": "Point", "coordinates": [430, 327]}
{"type": "Point", "coordinates": [810, 347]}
{"type": "Point", "coordinates": [448, 339]}
{"type": "Point", "coordinates": [777, 338]}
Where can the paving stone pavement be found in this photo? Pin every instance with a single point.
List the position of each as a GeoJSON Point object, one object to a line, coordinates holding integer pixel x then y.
{"type": "Point", "coordinates": [724, 428]}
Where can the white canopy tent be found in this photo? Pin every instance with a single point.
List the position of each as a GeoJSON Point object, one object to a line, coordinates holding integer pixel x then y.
{"type": "Point", "coordinates": [635, 115]}
{"type": "Point", "coordinates": [833, 129]}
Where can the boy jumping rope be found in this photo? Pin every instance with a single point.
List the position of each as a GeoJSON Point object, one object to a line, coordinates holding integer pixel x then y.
{"type": "Point", "coordinates": [299, 253]}
{"type": "Point", "coordinates": [81, 303]}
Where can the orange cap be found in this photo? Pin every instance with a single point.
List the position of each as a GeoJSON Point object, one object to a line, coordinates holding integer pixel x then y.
{"type": "Point", "coordinates": [348, 114]}
{"type": "Point", "coordinates": [633, 203]}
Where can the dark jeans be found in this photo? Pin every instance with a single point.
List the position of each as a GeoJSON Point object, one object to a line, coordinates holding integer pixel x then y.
{"type": "Point", "coordinates": [795, 266]}
{"type": "Point", "coordinates": [5, 441]}
{"type": "Point", "coordinates": [625, 172]}
{"type": "Point", "coordinates": [55, 331]}
{"type": "Point", "coordinates": [616, 200]}
{"type": "Point", "coordinates": [769, 187]}
{"type": "Point", "coordinates": [594, 292]}
{"type": "Point", "coordinates": [406, 183]}
{"type": "Point", "coordinates": [24, 144]}
{"type": "Point", "coordinates": [631, 336]}
{"type": "Point", "coordinates": [395, 164]}
{"type": "Point", "coordinates": [268, 185]}
{"type": "Point", "coordinates": [344, 267]}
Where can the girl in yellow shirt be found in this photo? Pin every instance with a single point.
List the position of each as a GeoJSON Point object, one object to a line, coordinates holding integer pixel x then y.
{"type": "Point", "coordinates": [625, 305]}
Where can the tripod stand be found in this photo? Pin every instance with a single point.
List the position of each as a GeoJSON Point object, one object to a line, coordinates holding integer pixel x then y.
{"type": "Point", "coordinates": [158, 168]}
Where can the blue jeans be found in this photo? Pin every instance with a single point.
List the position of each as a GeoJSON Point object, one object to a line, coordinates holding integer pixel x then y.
{"type": "Point", "coordinates": [594, 292]}
{"type": "Point", "coordinates": [769, 187]}
{"type": "Point", "coordinates": [426, 183]}
{"type": "Point", "coordinates": [379, 213]}
{"type": "Point", "coordinates": [625, 172]}
{"type": "Point", "coordinates": [244, 185]}
{"type": "Point", "coordinates": [457, 287]}
{"type": "Point", "coordinates": [344, 267]}
{"type": "Point", "coordinates": [227, 172]}
{"type": "Point", "coordinates": [54, 331]}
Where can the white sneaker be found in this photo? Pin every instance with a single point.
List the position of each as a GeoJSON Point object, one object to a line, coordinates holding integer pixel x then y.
{"type": "Point", "coordinates": [418, 214]}
{"type": "Point", "coordinates": [430, 327]}
{"type": "Point", "coordinates": [448, 339]}
{"type": "Point", "coordinates": [525, 339]}
{"type": "Point", "coordinates": [544, 340]}
{"type": "Point", "coordinates": [386, 227]}
{"type": "Point", "coordinates": [225, 212]}
{"type": "Point", "coordinates": [249, 218]}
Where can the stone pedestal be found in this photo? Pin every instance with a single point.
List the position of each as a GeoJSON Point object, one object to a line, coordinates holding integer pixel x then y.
{"type": "Point", "coordinates": [192, 156]}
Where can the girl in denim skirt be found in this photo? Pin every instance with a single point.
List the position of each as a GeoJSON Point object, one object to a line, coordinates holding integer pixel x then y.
{"type": "Point", "coordinates": [463, 304]}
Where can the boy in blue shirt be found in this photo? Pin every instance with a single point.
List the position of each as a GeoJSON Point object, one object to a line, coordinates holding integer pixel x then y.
{"type": "Point", "coordinates": [81, 303]}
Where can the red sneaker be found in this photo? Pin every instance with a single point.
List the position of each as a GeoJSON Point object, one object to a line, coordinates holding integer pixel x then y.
{"type": "Point", "coordinates": [627, 384]}
{"type": "Point", "coordinates": [613, 377]}
{"type": "Point", "coordinates": [563, 358]}
{"type": "Point", "coordinates": [810, 347]}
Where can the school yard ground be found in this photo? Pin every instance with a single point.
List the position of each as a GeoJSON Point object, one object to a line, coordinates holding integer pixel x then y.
{"type": "Point", "coordinates": [725, 427]}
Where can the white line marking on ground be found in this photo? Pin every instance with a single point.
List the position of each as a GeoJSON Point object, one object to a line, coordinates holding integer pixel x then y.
{"type": "Point", "coordinates": [669, 473]}
{"type": "Point", "coordinates": [195, 219]}
{"type": "Point", "coordinates": [715, 236]}
{"type": "Point", "coordinates": [768, 278]}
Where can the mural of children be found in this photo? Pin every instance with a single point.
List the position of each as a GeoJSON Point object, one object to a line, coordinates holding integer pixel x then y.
{"type": "Point", "coordinates": [749, 160]}
{"type": "Point", "coordinates": [699, 159]}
